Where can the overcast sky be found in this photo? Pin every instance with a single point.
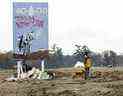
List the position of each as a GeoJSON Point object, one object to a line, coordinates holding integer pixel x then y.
{"type": "Point", "coordinates": [96, 23]}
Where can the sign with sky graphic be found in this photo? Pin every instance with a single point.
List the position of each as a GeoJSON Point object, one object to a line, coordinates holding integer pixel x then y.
{"type": "Point", "coordinates": [30, 23]}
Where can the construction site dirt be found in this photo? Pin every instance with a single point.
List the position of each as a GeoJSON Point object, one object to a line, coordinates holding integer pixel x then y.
{"type": "Point", "coordinates": [104, 82]}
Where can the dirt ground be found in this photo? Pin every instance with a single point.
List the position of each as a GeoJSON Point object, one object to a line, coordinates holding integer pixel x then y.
{"type": "Point", "coordinates": [104, 85]}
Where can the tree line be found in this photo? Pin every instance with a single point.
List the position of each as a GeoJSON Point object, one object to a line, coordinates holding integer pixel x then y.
{"type": "Point", "coordinates": [57, 59]}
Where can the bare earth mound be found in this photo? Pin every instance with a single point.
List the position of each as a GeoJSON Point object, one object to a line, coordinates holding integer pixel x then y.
{"type": "Point", "coordinates": [64, 86]}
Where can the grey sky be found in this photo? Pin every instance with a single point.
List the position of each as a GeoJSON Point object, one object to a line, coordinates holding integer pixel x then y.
{"type": "Point", "coordinates": [97, 23]}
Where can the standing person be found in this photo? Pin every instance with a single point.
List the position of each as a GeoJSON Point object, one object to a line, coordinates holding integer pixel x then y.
{"type": "Point", "coordinates": [87, 64]}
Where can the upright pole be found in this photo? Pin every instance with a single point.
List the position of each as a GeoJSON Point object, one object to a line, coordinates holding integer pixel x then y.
{"type": "Point", "coordinates": [19, 69]}
{"type": "Point", "coordinates": [42, 65]}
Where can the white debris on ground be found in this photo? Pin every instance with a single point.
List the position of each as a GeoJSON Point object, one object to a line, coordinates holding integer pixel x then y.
{"type": "Point", "coordinates": [32, 74]}
{"type": "Point", "coordinates": [12, 78]}
{"type": "Point", "coordinates": [38, 74]}
{"type": "Point", "coordinates": [79, 65]}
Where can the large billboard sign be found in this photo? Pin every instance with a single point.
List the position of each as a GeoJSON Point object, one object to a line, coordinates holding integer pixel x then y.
{"type": "Point", "coordinates": [30, 26]}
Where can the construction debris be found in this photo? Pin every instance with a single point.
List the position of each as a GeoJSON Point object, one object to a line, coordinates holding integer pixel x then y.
{"type": "Point", "coordinates": [33, 74]}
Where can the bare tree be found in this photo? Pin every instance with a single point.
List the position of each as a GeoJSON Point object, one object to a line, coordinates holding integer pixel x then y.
{"type": "Point", "coordinates": [81, 51]}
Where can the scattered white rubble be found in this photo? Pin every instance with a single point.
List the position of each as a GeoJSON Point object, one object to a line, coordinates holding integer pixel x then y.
{"type": "Point", "coordinates": [79, 65]}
